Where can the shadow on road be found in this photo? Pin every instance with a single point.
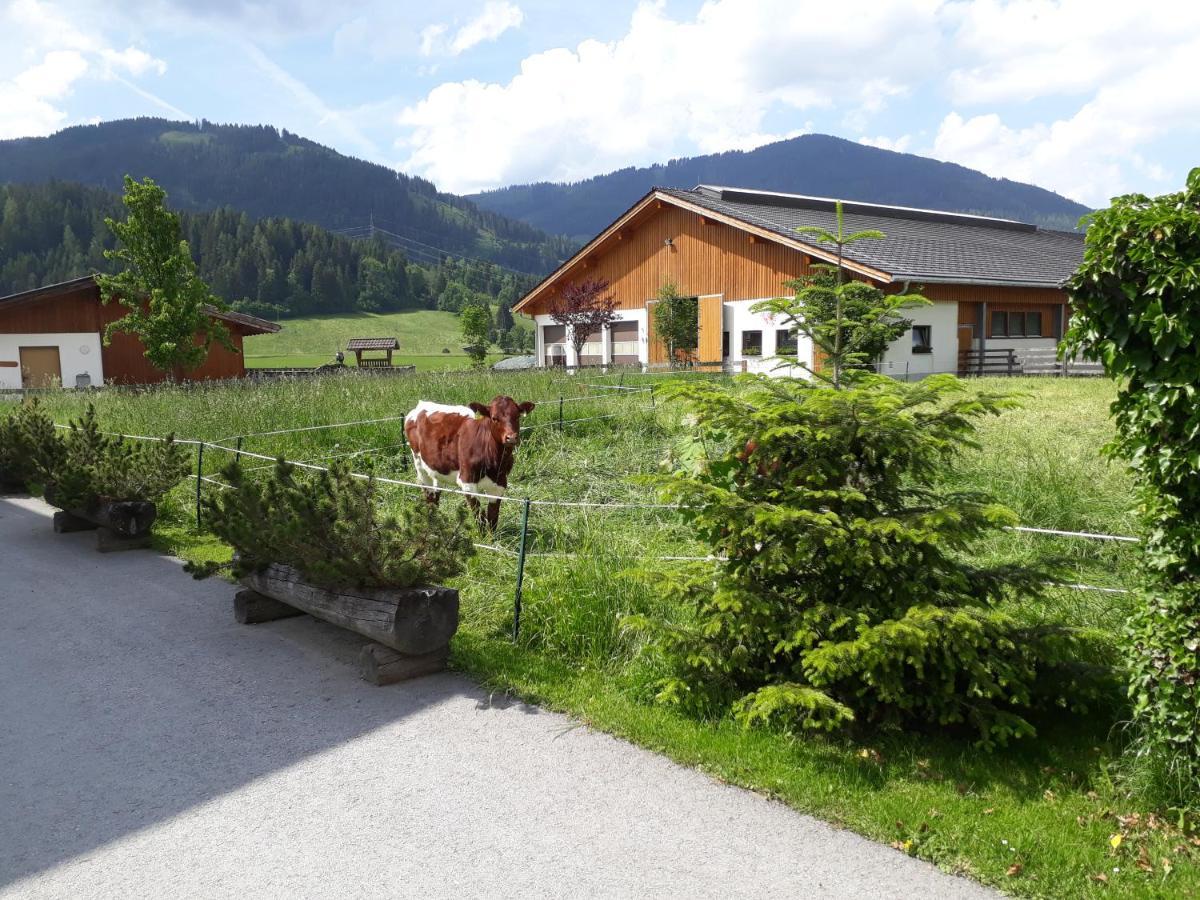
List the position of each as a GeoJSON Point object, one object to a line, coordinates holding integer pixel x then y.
{"type": "Point", "coordinates": [128, 694]}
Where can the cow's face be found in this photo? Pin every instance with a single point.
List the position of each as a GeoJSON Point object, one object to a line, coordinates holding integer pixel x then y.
{"type": "Point", "coordinates": [505, 415]}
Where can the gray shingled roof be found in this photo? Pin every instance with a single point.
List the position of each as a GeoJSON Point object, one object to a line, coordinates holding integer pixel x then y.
{"type": "Point", "coordinates": [921, 245]}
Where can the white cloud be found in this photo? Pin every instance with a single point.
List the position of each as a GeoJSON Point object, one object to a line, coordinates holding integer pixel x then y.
{"type": "Point", "coordinates": [58, 53]}
{"type": "Point", "coordinates": [1020, 50]}
{"type": "Point", "coordinates": [496, 18]}
{"type": "Point", "coordinates": [668, 87]}
{"type": "Point", "coordinates": [900, 144]}
{"type": "Point", "coordinates": [25, 100]}
{"type": "Point", "coordinates": [1097, 151]}
{"type": "Point", "coordinates": [431, 38]}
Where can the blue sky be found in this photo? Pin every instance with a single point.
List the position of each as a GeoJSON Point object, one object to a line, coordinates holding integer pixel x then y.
{"type": "Point", "coordinates": [1087, 97]}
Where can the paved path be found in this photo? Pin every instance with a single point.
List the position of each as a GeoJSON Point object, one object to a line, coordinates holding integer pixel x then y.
{"type": "Point", "coordinates": [150, 747]}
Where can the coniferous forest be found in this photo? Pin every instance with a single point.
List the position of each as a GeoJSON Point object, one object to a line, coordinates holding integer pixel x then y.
{"type": "Point", "coordinates": [273, 267]}
{"type": "Point", "coordinates": [264, 171]}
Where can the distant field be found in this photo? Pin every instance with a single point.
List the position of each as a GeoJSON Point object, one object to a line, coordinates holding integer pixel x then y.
{"type": "Point", "coordinates": [313, 340]}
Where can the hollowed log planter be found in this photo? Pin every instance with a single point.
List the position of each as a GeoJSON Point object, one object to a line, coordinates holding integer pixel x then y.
{"type": "Point", "coordinates": [119, 524]}
{"type": "Point", "coordinates": [411, 627]}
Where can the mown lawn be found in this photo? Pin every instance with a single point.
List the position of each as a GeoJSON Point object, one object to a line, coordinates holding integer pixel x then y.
{"type": "Point", "coordinates": [424, 337]}
{"type": "Point", "coordinates": [1036, 819]}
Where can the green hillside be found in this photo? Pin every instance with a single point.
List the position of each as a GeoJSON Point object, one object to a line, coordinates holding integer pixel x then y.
{"type": "Point", "coordinates": [265, 172]}
{"type": "Point", "coordinates": [313, 341]}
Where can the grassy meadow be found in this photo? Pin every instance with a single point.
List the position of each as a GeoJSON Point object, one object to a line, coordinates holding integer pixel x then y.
{"type": "Point", "coordinates": [1035, 819]}
{"type": "Point", "coordinates": [313, 340]}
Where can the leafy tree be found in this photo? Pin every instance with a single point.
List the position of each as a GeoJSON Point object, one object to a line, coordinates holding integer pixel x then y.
{"type": "Point", "coordinates": [849, 324]}
{"type": "Point", "coordinates": [585, 308]}
{"type": "Point", "coordinates": [476, 326]}
{"type": "Point", "coordinates": [169, 307]}
{"type": "Point", "coordinates": [676, 321]}
{"type": "Point", "coordinates": [843, 594]}
{"type": "Point", "coordinates": [1136, 301]}
{"type": "Point", "coordinates": [330, 528]}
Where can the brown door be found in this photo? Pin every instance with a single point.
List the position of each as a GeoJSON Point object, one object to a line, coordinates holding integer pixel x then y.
{"type": "Point", "coordinates": [657, 350]}
{"type": "Point", "coordinates": [711, 321]}
{"type": "Point", "coordinates": [40, 367]}
{"type": "Point", "coordinates": [966, 339]}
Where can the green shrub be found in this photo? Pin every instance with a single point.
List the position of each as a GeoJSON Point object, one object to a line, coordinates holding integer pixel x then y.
{"type": "Point", "coordinates": [30, 446]}
{"type": "Point", "coordinates": [95, 467]}
{"type": "Point", "coordinates": [329, 528]}
{"type": "Point", "coordinates": [1137, 310]}
{"type": "Point", "coordinates": [844, 595]}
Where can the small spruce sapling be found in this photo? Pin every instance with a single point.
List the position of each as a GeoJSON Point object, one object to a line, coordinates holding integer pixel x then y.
{"type": "Point", "coordinates": [97, 468]}
{"type": "Point", "coordinates": [845, 593]}
{"type": "Point", "coordinates": [30, 445]}
{"type": "Point", "coordinates": [330, 527]}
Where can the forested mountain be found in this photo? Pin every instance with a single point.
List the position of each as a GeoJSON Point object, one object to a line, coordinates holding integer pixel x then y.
{"type": "Point", "coordinates": [814, 164]}
{"type": "Point", "coordinates": [264, 172]}
{"type": "Point", "coordinates": [273, 267]}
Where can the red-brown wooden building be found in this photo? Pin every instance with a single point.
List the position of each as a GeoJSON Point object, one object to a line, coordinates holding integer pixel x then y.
{"type": "Point", "coordinates": [53, 335]}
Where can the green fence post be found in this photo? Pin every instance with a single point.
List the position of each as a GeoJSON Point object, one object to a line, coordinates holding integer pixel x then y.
{"type": "Point", "coordinates": [199, 483]}
{"type": "Point", "coordinates": [560, 408]}
{"type": "Point", "coordinates": [652, 396]}
{"type": "Point", "coordinates": [237, 456]}
{"type": "Point", "coordinates": [520, 570]}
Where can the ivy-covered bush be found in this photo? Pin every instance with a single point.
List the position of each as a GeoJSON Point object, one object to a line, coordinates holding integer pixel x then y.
{"type": "Point", "coordinates": [94, 467]}
{"type": "Point", "coordinates": [328, 525]}
{"type": "Point", "coordinates": [30, 446]}
{"type": "Point", "coordinates": [843, 594]}
{"type": "Point", "coordinates": [1136, 305]}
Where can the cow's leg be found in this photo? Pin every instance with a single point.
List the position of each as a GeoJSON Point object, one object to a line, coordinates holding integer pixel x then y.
{"type": "Point", "coordinates": [426, 476]}
{"type": "Point", "coordinates": [493, 515]}
{"type": "Point", "coordinates": [469, 484]}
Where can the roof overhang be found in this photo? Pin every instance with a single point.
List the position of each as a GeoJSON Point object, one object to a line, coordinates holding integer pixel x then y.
{"type": "Point", "coordinates": [247, 324]}
{"type": "Point", "coordinates": [662, 198]}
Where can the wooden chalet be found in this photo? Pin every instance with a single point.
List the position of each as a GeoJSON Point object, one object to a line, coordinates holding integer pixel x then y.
{"type": "Point", "coordinates": [996, 284]}
{"type": "Point", "coordinates": [53, 335]}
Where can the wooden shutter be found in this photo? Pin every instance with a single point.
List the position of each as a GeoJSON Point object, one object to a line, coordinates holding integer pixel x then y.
{"type": "Point", "coordinates": [712, 324]}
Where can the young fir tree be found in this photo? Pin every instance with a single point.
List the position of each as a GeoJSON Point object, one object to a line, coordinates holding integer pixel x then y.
{"type": "Point", "coordinates": [167, 306]}
{"type": "Point", "coordinates": [844, 593]}
{"type": "Point", "coordinates": [850, 324]}
{"type": "Point", "coordinates": [95, 467]}
{"type": "Point", "coordinates": [329, 526]}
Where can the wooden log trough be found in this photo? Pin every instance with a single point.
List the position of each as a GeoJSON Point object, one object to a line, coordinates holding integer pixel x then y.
{"type": "Point", "coordinates": [411, 627]}
{"type": "Point", "coordinates": [119, 524]}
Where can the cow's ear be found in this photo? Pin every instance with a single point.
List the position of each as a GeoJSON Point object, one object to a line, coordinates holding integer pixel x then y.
{"type": "Point", "coordinates": [479, 409]}
{"type": "Point", "coordinates": [527, 407]}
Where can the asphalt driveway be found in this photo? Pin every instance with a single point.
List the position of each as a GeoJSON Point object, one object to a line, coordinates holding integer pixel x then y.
{"type": "Point", "coordinates": [151, 747]}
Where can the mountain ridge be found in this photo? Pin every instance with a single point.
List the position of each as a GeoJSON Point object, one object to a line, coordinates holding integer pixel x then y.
{"type": "Point", "coordinates": [814, 164]}
{"type": "Point", "coordinates": [269, 172]}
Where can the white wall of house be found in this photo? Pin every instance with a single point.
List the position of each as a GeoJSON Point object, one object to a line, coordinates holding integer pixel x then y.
{"type": "Point", "coordinates": [78, 353]}
{"type": "Point", "coordinates": [899, 361]}
{"type": "Point", "coordinates": [623, 315]}
{"type": "Point", "coordinates": [738, 318]}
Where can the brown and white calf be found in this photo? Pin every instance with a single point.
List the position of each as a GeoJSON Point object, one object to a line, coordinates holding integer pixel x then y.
{"type": "Point", "coordinates": [470, 447]}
